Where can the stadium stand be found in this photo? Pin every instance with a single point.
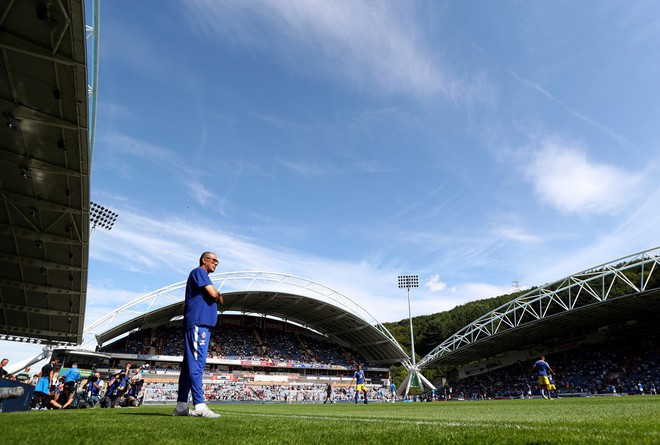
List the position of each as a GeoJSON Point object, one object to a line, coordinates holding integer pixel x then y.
{"type": "Point", "coordinates": [617, 365]}
{"type": "Point", "coordinates": [162, 392]}
{"type": "Point", "coordinates": [244, 348]}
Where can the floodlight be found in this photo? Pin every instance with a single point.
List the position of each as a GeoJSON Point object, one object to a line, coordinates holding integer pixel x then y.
{"type": "Point", "coordinates": [101, 217]}
{"type": "Point", "coordinates": [408, 282]}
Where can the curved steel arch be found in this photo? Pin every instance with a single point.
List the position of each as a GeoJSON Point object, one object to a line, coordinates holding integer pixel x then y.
{"type": "Point", "coordinates": [622, 278]}
{"type": "Point", "coordinates": [251, 282]}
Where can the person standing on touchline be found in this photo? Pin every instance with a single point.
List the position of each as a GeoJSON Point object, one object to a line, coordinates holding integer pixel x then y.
{"type": "Point", "coordinates": [200, 315]}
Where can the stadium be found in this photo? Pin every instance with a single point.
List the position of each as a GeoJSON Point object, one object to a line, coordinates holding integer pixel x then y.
{"type": "Point", "coordinates": [282, 330]}
{"type": "Point", "coordinates": [280, 339]}
{"type": "Point", "coordinates": [273, 329]}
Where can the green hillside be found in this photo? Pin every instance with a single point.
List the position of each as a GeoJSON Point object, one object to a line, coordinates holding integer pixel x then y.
{"type": "Point", "coordinates": [431, 330]}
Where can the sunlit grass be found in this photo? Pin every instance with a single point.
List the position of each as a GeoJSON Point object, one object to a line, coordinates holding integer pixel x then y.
{"type": "Point", "coordinates": [634, 420]}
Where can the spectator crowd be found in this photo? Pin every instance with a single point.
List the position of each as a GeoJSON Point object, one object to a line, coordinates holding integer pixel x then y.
{"type": "Point", "coordinates": [615, 367]}
{"type": "Point", "coordinates": [623, 366]}
{"type": "Point", "coordinates": [232, 342]}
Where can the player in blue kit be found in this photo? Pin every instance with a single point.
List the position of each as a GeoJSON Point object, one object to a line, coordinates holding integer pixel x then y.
{"type": "Point", "coordinates": [552, 387]}
{"type": "Point", "coordinates": [200, 315]}
{"type": "Point", "coordinates": [543, 370]}
{"type": "Point", "coordinates": [360, 384]}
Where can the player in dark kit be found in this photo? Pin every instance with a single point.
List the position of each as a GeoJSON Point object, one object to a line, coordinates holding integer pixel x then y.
{"type": "Point", "coordinates": [328, 393]}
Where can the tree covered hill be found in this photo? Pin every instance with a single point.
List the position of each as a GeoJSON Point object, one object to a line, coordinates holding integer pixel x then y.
{"type": "Point", "coordinates": [431, 330]}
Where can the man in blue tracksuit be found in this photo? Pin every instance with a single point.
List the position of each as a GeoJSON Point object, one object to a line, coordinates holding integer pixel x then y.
{"type": "Point", "coordinates": [71, 379]}
{"type": "Point", "coordinates": [200, 315]}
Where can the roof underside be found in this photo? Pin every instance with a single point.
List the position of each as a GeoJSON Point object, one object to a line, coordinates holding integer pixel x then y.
{"type": "Point", "coordinates": [44, 171]}
{"type": "Point", "coordinates": [563, 326]}
{"type": "Point", "coordinates": [339, 325]}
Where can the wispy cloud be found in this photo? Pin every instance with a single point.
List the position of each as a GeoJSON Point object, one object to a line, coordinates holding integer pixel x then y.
{"type": "Point", "coordinates": [639, 230]}
{"type": "Point", "coordinates": [123, 150]}
{"type": "Point", "coordinates": [371, 44]}
{"type": "Point", "coordinates": [159, 252]}
{"type": "Point", "coordinates": [103, 300]}
{"type": "Point", "coordinates": [641, 22]}
{"type": "Point", "coordinates": [621, 140]}
{"type": "Point", "coordinates": [162, 251]}
{"type": "Point", "coordinates": [564, 177]}
{"type": "Point", "coordinates": [200, 193]}
{"type": "Point", "coordinates": [127, 146]}
{"type": "Point", "coordinates": [105, 194]}
{"type": "Point", "coordinates": [370, 166]}
{"type": "Point", "coordinates": [305, 169]}
{"type": "Point", "coordinates": [513, 233]}
{"type": "Point", "coordinates": [316, 169]}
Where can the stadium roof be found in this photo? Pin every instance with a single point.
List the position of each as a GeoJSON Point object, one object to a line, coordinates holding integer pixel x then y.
{"type": "Point", "coordinates": [614, 293]}
{"type": "Point", "coordinates": [285, 297]}
{"type": "Point", "coordinates": [563, 327]}
{"type": "Point", "coordinates": [44, 171]}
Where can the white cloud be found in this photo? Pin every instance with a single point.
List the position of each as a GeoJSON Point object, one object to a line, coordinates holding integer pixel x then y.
{"type": "Point", "coordinates": [564, 177]}
{"type": "Point", "coordinates": [371, 44]}
{"type": "Point", "coordinates": [434, 284]}
{"type": "Point", "coordinates": [152, 253]}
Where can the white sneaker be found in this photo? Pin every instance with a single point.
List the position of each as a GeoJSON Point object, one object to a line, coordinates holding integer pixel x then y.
{"type": "Point", "coordinates": [204, 412]}
{"type": "Point", "coordinates": [185, 412]}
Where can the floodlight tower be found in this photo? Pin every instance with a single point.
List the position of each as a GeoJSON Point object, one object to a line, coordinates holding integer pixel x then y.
{"type": "Point", "coordinates": [408, 282]}
{"type": "Point", "coordinates": [102, 217]}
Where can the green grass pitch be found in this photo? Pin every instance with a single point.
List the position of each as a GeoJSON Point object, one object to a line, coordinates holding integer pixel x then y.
{"type": "Point", "coordinates": [610, 420]}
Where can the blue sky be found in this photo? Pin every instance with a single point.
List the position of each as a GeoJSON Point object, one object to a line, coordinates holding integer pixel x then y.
{"type": "Point", "coordinates": [471, 143]}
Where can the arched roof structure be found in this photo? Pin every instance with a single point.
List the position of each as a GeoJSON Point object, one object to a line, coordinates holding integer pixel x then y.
{"type": "Point", "coordinates": [266, 294]}
{"type": "Point", "coordinates": [611, 293]}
